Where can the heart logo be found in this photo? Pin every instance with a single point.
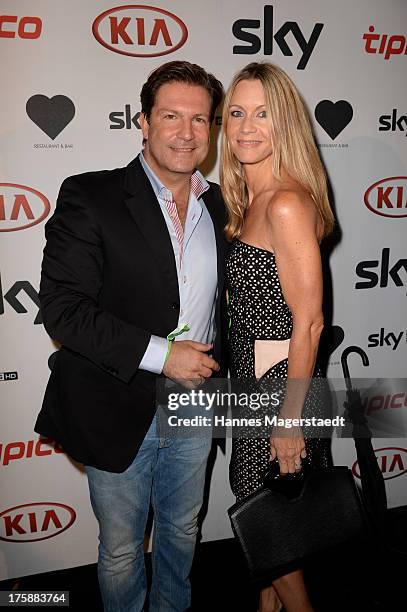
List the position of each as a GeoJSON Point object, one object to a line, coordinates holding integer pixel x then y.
{"type": "Point", "coordinates": [333, 117]}
{"type": "Point", "coordinates": [51, 115]}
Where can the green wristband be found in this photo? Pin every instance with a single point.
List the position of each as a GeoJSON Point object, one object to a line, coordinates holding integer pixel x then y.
{"type": "Point", "coordinates": [168, 350]}
{"type": "Point", "coordinates": [171, 337]}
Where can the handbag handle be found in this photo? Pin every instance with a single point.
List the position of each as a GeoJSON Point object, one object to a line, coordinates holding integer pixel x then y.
{"type": "Point", "coordinates": [289, 485]}
{"type": "Point", "coordinates": [273, 471]}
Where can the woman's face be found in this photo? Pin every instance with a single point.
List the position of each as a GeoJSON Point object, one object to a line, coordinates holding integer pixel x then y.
{"type": "Point", "coordinates": [247, 128]}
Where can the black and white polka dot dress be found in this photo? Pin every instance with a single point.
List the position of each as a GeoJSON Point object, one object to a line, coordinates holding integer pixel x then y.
{"type": "Point", "coordinates": [257, 310]}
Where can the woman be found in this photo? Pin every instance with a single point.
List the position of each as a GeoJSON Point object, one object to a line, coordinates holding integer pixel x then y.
{"type": "Point", "coordinates": [275, 190]}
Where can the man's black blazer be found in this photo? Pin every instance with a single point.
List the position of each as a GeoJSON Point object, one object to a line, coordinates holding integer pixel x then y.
{"type": "Point", "coordinates": [108, 282]}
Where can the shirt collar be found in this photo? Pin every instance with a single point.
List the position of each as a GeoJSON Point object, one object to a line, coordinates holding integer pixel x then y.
{"type": "Point", "coordinates": [198, 183]}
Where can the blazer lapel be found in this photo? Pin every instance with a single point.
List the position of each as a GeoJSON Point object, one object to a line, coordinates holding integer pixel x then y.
{"type": "Point", "coordinates": [217, 212]}
{"type": "Point", "coordinates": [146, 212]}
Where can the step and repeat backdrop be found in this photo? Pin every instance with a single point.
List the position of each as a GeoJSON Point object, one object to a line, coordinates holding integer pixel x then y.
{"type": "Point", "coordinates": [71, 78]}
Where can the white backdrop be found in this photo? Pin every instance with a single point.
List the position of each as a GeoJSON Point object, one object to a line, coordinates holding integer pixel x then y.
{"type": "Point", "coordinates": [71, 78]}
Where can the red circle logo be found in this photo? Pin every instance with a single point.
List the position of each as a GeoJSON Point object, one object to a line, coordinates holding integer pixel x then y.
{"type": "Point", "coordinates": [35, 522]}
{"type": "Point", "coordinates": [21, 207]}
{"type": "Point", "coordinates": [388, 197]}
{"type": "Point", "coordinates": [140, 31]}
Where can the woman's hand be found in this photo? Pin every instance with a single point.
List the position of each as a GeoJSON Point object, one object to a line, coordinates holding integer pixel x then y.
{"type": "Point", "coordinates": [288, 446]}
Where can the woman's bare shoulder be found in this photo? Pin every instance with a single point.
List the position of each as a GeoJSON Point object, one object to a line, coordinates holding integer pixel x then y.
{"type": "Point", "coordinates": [291, 203]}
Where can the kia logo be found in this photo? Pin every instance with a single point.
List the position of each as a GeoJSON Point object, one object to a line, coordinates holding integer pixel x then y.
{"type": "Point", "coordinates": [21, 207]}
{"type": "Point", "coordinates": [139, 31]}
{"type": "Point", "coordinates": [388, 197]}
{"type": "Point", "coordinates": [392, 462]}
{"type": "Point", "coordinates": [35, 522]}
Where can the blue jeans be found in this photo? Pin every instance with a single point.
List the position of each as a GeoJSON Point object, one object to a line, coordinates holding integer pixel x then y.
{"type": "Point", "coordinates": [169, 472]}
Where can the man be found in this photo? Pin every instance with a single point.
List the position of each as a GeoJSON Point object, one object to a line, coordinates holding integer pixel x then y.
{"type": "Point", "coordinates": [132, 255]}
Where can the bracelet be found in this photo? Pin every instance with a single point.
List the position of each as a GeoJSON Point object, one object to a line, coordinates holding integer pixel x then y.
{"type": "Point", "coordinates": [171, 337]}
{"type": "Point", "coordinates": [169, 347]}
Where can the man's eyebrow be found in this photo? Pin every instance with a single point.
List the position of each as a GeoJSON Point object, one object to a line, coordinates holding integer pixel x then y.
{"type": "Point", "coordinates": [177, 112]}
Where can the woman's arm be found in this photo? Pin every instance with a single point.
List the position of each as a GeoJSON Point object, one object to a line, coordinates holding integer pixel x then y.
{"type": "Point", "coordinates": [293, 226]}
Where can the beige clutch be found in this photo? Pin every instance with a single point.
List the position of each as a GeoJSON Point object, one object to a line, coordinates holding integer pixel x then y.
{"type": "Point", "coordinates": [267, 353]}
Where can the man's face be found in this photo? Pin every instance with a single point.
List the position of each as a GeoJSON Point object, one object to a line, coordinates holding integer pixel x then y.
{"type": "Point", "coordinates": [177, 132]}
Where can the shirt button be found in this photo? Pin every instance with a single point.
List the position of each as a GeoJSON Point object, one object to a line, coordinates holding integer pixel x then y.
{"type": "Point", "coordinates": [181, 312]}
{"type": "Point", "coordinates": [185, 280]}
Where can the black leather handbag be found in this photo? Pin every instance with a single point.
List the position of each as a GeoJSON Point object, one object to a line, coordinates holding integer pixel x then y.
{"type": "Point", "coordinates": [294, 516]}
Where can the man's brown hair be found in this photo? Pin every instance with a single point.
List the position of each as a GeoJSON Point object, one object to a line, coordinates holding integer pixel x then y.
{"type": "Point", "coordinates": [180, 72]}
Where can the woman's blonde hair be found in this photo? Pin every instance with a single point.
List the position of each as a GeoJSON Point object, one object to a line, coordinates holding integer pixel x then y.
{"type": "Point", "coordinates": [294, 148]}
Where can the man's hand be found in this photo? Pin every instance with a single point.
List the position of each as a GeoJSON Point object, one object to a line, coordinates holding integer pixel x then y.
{"type": "Point", "coordinates": [189, 364]}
